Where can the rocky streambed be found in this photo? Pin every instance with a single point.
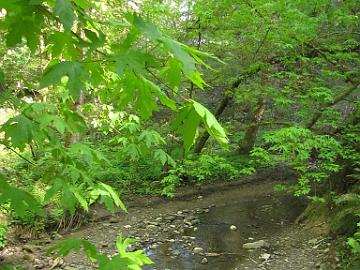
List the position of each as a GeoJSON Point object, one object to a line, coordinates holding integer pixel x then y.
{"type": "Point", "coordinates": [238, 227]}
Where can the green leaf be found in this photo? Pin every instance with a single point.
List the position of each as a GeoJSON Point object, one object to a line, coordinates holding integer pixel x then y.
{"type": "Point", "coordinates": [137, 258]}
{"type": "Point", "coordinates": [24, 20]}
{"type": "Point", "coordinates": [187, 123]}
{"type": "Point", "coordinates": [64, 247]}
{"type": "Point", "coordinates": [2, 78]}
{"type": "Point", "coordinates": [164, 99]}
{"type": "Point", "coordinates": [212, 125]}
{"type": "Point", "coordinates": [172, 74]}
{"type": "Point", "coordinates": [61, 43]}
{"type": "Point", "coordinates": [189, 119]}
{"type": "Point", "coordinates": [18, 131]}
{"type": "Point", "coordinates": [73, 70]}
{"type": "Point", "coordinates": [151, 137]}
{"type": "Point", "coordinates": [188, 63]}
{"type": "Point", "coordinates": [68, 200]}
{"type": "Point", "coordinates": [108, 196]}
{"type": "Point", "coordinates": [20, 201]}
{"type": "Point", "coordinates": [46, 119]}
{"type": "Point", "coordinates": [80, 199]}
{"type": "Point", "coordinates": [65, 11]}
{"type": "Point", "coordinates": [146, 27]}
{"type": "Point", "coordinates": [131, 60]}
{"type": "Point", "coordinates": [163, 157]}
{"type": "Point", "coordinates": [145, 103]}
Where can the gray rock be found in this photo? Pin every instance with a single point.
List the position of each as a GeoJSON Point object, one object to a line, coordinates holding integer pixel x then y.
{"type": "Point", "coordinates": [233, 228]}
{"type": "Point", "coordinates": [151, 227]}
{"type": "Point", "coordinates": [114, 220]}
{"type": "Point", "coordinates": [29, 248]}
{"type": "Point", "coordinates": [265, 256]}
{"type": "Point", "coordinates": [256, 245]}
{"type": "Point", "coordinates": [212, 254]}
{"type": "Point", "coordinates": [170, 218]}
{"type": "Point", "coordinates": [104, 244]}
{"type": "Point", "coordinates": [198, 250]}
{"type": "Point", "coordinates": [204, 261]}
{"type": "Point", "coordinates": [195, 221]}
{"type": "Point", "coordinates": [70, 268]}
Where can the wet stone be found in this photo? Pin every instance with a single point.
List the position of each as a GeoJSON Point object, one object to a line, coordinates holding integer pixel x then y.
{"type": "Point", "coordinates": [104, 244]}
{"type": "Point", "coordinates": [256, 245]}
{"type": "Point", "coordinates": [212, 254]}
{"type": "Point", "coordinates": [198, 250]}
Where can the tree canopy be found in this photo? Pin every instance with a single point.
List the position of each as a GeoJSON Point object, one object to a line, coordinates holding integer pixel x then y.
{"type": "Point", "coordinates": [99, 97]}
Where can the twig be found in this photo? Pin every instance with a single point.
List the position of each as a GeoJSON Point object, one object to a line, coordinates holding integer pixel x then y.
{"type": "Point", "coordinates": [18, 154]}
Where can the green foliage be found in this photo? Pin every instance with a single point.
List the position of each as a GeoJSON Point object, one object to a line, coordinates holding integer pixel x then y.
{"type": "Point", "coordinates": [189, 119]}
{"type": "Point", "coordinates": [76, 74]}
{"type": "Point", "coordinates": [313, 157]}
{"type": "Point", "coordinates": [3, 234]}
{"type": "Point", "coordinates": [347, 214]}
{"type": "Point", "coordinates": [347, 221]}
{"type": "Point", "coordinates": [354, 241]}
{"type": "Point", "coordinates": [19, 200]}
{"type": "Point", "coordinates": [133, 260]}
{"type": "Point", "coordinates": [204, 169]}
{"type": "Point", "coordinates": [65, 10]}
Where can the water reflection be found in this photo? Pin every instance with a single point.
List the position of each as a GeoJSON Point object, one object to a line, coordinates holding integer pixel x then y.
{"type": "Point", "coordinates": [255, 219]}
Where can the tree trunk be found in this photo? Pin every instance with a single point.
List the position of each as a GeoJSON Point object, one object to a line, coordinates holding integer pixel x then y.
{"type": "Point", "coordinates": [250, 134]}
{"type": "Point", "coordinates": [71, 138]}
{"type": "Point", "coordinates": [223, 104]}
{"type": "Point", "coordinates": [205, 135]}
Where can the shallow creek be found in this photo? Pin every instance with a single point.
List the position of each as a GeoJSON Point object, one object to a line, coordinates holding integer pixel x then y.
{"type": "Point", "coordinates": [194, 232]}
{"type": "Point", "coordinates": [203, 228]}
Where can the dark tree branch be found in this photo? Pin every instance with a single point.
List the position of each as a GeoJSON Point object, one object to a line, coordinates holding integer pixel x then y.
{"type": "Point", "coordinates": [336, 100]}
{"type": "Point", "coordinates": [18, 154]}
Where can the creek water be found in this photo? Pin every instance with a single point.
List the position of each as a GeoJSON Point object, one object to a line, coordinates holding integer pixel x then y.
{"type": "Point", "coordinates": [260, 217]}
{"type": "Point", "coordinates": [255, 209]}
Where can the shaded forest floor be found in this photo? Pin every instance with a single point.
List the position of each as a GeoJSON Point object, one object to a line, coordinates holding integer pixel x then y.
{"type": "Point", "coordinates": [196, 231]}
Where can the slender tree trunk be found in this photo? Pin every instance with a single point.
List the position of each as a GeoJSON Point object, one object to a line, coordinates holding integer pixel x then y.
{"type": "Point", "coordinates": [223, 104]}
{"type": "Point", "coordinates": [205, 135]}
{"type": "Point", "coordinates": [251, 132]}
{"type": "Point", "coordinates": [71, 138]}
{"type": "Point", "coordinates": [192, 86]}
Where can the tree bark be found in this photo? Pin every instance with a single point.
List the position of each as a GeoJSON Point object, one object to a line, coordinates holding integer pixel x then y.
{"type": "Point", "coordinates": [251, 132]}
{"type": "Point", "coordinates": [205, 135]}
{"type": "Point", "coordinates": [223, 104]}
{"type": "Point", "coordinates": [71, 138]}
